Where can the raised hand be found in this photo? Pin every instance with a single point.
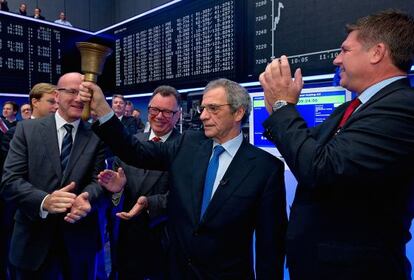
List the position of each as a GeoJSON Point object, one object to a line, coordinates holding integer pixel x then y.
{"type": "Point", "coordinates": [111, 180]}
{"type": "Point", "coordinates": [60, 200]}
{"type": "Point", "coordinates": [80, 208]}
{"type": "Point", "coordinates": [140, 205]}
{"type": "Point", "coordinates": [277, 82]}
{"type": "Point", "coordinates": [90, 92]}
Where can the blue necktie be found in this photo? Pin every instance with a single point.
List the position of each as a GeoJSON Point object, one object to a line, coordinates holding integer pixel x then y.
{"type": "Point", "coordinates": [211, 177]}
{"type": "Point", "coordinates": [66, 146]}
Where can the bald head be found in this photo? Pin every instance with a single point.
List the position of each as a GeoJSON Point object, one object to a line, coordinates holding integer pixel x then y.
{"type": "Point", "coordinates": [72, 77]}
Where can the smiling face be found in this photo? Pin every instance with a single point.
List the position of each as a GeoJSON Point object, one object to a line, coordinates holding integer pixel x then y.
{"type": "Point", "coordinates": [69, 104]}
{"type": "Point", "coordinates": [223, 124]}
{"type": "Point", "coordinates": [354, 63]}
{"type": "Point", "coordinates": [160, 124]}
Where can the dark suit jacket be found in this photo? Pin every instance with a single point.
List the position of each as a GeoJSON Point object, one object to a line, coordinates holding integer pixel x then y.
{"type": "Point", "coordinates": [130, 123]}
{"type": "Point", "coordinates": [251, 197]}
{"type": "Point", "coordinates": [136, 235]}
{"type": "Point", "coordinates": [31, 171]}
{"type": "Point", "coordinates": [355, 198]}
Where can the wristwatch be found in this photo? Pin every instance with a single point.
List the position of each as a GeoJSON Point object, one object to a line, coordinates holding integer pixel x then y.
{"type": "Point", "coordinates": [279, 104]}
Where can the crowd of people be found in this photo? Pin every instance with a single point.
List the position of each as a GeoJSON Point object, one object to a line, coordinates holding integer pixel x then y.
{"type": "Point", "coordinates": [190, 205]}
{"type": "Point", "coordinates": [37, 13]}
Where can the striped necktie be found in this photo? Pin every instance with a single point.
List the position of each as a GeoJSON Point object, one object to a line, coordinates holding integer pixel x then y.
{"type": "Point", "coordinates": [66, 146]}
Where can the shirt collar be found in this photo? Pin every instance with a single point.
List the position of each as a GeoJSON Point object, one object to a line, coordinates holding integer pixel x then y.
{"type": "Point", "coordinates": [372, 90]}
{"type": "Point", "coordinates": [60, 122]}
{"type": "Point", "coordinates": [231, 146]}
{"type": "Point", "coordinates": [163, 138]}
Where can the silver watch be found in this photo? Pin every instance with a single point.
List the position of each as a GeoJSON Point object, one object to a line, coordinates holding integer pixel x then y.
{"type": "Point", "coordinates": [279, 104]}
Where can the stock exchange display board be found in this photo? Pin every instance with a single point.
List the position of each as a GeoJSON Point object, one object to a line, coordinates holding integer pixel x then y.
{"type": "Point", "coordinates": [32, 51]}
{"type": "Point", "coordinates": [186, 44]}
{"type": "Point", "coordinates": [308, 32]}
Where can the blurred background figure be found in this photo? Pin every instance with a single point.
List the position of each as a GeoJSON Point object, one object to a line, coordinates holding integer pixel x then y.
{"type": "Point", "coordinates": [38, 14]}
{"type": "Point", "coordinates": [26, 111]}
{"type": "Point", "coordinates": [10, 109]}
{"type": "Point", "coordinates": [62, 19]}
{"type": "Point", "coordinates": [136, 113]}
{"type": "Point", "coordinates": [129, 107]}
{"type": "Point", "coordinates": [118, 106]}
{"type": "Point", "coordinates": [22, 9]}
{"type": "Point", "coordinates": [4, 6]}
{"type": "Point", "coordinates": [43, 100]}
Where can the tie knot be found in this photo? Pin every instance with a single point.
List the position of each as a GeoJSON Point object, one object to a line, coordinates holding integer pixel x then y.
{"type": "Point", "coordinates": [156, 139]}
{"type": "Point", "coordinates": [218, 150]}
{"type": "Point", "coordinates": [68, 127]}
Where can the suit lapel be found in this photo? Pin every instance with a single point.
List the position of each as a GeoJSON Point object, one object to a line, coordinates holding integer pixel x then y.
{"type": "Point", "coordinates": [49, 135]}
{"type": "Point", "coordinates": [200, 163]}
{"type": "Point", "coordinates": [238, 170]}
{"type": "Point", "coordinates": [379, 95]}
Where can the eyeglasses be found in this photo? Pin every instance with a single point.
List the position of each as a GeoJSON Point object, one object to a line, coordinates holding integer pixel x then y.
{"type": "Point", "coordinates": [154, 111]}
{"type": "Point", "coordinates": [70, 91]}
{"type": "Point", "coordinates": [211, 108]}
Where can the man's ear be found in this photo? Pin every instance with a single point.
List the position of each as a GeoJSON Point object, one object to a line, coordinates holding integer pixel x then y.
{"type": "Point", "coordinates": [378, 51]}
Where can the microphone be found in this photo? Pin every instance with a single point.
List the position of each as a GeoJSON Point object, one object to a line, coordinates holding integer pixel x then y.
{"type": "Point", "coordinates": [223, 182]}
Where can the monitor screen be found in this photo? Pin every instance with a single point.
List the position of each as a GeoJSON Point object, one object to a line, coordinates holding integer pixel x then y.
{"type": "Point", "coordinates": [315, 105]}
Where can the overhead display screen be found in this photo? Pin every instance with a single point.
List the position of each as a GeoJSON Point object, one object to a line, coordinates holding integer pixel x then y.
{"type": "Point", "coordinates": [33, 51]}
{"type": "Point", "coordinates": [187, 44]}
{"type": "Point", "coordinates": [308, 32]}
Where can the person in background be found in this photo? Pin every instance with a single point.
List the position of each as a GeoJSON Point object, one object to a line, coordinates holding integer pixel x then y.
{"type": "Point", "coordinates": [10, 109]}
{"type": "Point", "coordinates": [129, 107]}
{"type": "Point", "coordinates": [50, 174]}
{"type": "Point", "coordinates": [43, 100]}
{"type": "Point", "coordinates": [4, 6]}
{"type": "Point", "coordinates": [143, 200]}
{"type": "Point", "coordinates": [354, 202]}
{"type": "Point", "coordinates": [25, 111]}
{"type": "Point", "coordinates": [136, 113]}
{"type": "Point", "coordinates": [118, 106]}
{"type": "Point", "coordinates": [22, 9]}
{"type": "Point", "coordinates": [222, 189]}
{"type": "Point", "coordinates": [62, 19]}
{"type": "Point", "coordinates": [38, 14]}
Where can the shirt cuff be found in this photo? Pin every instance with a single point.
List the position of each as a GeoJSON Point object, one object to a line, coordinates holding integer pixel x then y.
{"type": "Point", "coordinates": [105, 118]}
{"type": "Point", "coordinates": [43, 213]}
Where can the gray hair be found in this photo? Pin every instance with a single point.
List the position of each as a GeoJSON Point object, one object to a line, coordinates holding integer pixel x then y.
{"type": "Point", "coordinates": [237, 96]}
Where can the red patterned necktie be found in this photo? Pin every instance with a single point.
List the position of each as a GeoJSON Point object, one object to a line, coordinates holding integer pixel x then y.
{"type": "Point", "coordinates": [156, 139]}
{"type": "Point", "coordinates": [3, 126]}
{"type": "Point", "coordinates": [348, 112]}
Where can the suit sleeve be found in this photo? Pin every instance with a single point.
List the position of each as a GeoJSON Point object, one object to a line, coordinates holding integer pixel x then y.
{"type": "Point", "coordinates": [373, 141]}
{"type": "Point", "coordinates": [141, 154]}
{"type": "Point", "coordinates": [271, 227]}
{"type": "Point", "coordinates": [14, 186]}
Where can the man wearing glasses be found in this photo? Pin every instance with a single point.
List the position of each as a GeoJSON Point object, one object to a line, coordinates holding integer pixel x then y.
{"type": "Point", "coordinates": [222, 188]}
{"type": "Point", "coordinates": [50, 175]}
{"type": "Point", "coordinates": [139, 230]}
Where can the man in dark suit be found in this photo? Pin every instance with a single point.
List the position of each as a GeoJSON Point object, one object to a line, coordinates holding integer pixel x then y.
{"type": "Point", "coordinates": [217, 199]}
{"type": "Point", "coordinates": [118, 105]}
{"type": "Point", "coordinates": [50, 174]}
{"type": "Point", "coordinates": [144, 230]}
{"type": "Point", "coordinates": [355, 196]}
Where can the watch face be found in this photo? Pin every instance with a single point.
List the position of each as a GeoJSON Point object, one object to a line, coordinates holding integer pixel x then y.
{"type": "Point", "coordinates": [279, 104]}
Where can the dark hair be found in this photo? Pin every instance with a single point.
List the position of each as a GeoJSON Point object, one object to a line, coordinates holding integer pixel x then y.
{"type": "Point", "coordinates": [14, 105]}
{"type": "Point", "coordinates": [167, 91]}
{"type": "Point", "coordinates": [118, 96]}
{"type": "Point", "coordinates": [391, 27]}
